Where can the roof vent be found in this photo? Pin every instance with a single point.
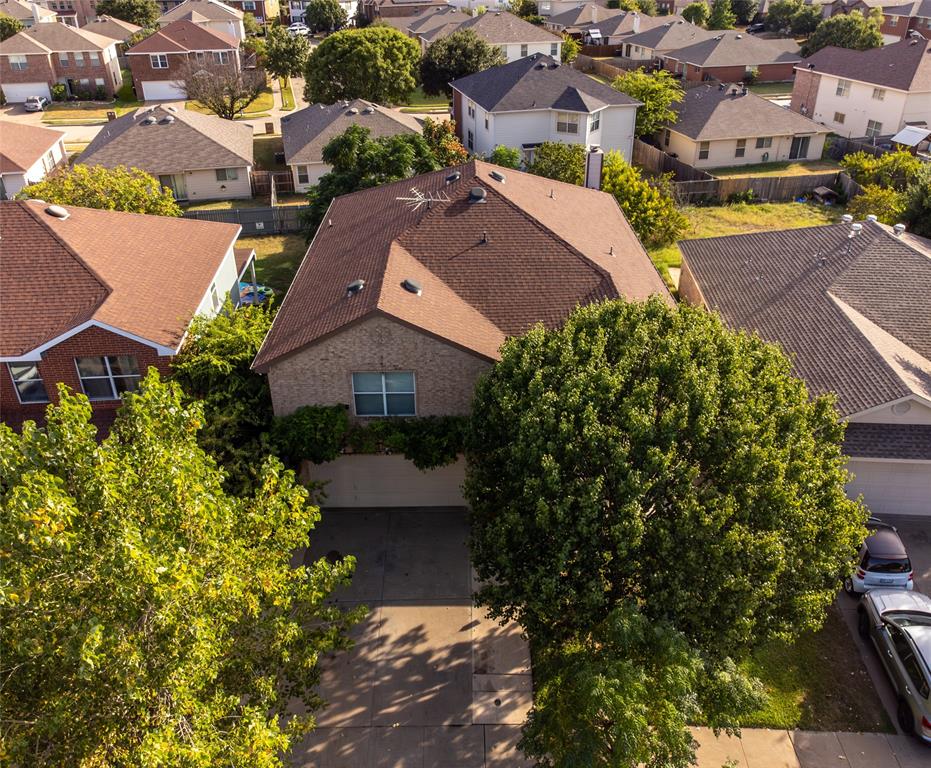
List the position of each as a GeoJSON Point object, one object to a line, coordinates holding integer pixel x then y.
{"type": "Point", "coordinates": [477, 195]}
{"type": "Point", "coordinates": [171, 109]}
{"type": "Point", "coordinates": [166, 120]}
{"type": "Point", "coordinates": [368, 111]}
{"type": "Point", "coordinates": [57, 211]}
{"type": "Point", "coordinates": [846, 218]}
{"type": "Point", "coordinates": [497, 176]}
{"type": "Point", "coordinates": [355, 287]}
{"type": "Point", "coordinates": [554, 65]}
{"type": "Point", "coordinates": [898, 229]}
{"type": "Point", "coordinates": [148, 121]}
{"type": "Point", "coordinates": [412, 286]}
{"type": "Point", "coordinates": [739, 37]}
{"type": "Point", "coordinates": [539, 65]}
{"type": "Point", "coordinates": [872, 217]}
{"type": "Point", "coordinates": [811, 66]}
{"type": "Point", "coordinates": [352, 111]}
{"type": "Point", "coordinates": [454, 176]}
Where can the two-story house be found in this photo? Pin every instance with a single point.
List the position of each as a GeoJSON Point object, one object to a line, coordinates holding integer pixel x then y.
{"type": "Point", "coordinates": [618, 28]}
{"type": "Point", "coordinates": [100, 297]}
{"type": "Point", "coordinates": [651, 45]}
{"type": "Point", "coordinates": [209, 14]}
{"type": "Point", "coordinates": [515, 37]}
{"type": "Point", "coordinates": [34, 60]}
{"type": "Point", "coordinates": [571, 21]}
{"type": "Point", "coordinates": [27, 13]}
{"type": "Point", "coordinates": [536, 99]}
{"type": "Point", "coordinates": [115, 29]}
{"type": "Point", "coordinates": [899, 17]}
{"type": "Point", "coordinates": [265, 11]}
{"type": "Point", "coordinates": [409, 290]}
{"type": "Point", "coordinates": [158, 63]}
{"type": "Point", "coordinates": [374, 10]}
{"type": "Point", "coordinates": [866, 93]}
{"type": "Point", "coordinates": [28, 154]}
{"type": "Point", "coordinates": [730, 56]}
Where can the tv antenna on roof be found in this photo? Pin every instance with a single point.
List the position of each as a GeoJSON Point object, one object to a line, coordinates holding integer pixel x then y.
{"type": "Point", "coordinates": [418, 198]}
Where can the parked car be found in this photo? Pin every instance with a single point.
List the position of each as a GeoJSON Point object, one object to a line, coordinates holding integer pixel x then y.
{"type": "Point", "coordinates": [883, 562]}
{"type": "Point", "coordinates": [899, 624]}
{"type": "Point", "coordinates": [752, 29]}
{"type": "Point", "coordinates": [297, 28]}
{"type": "Point", "coordinates": [35, 103]}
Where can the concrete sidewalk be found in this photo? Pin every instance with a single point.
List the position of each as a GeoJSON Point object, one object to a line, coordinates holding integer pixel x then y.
{"type": "Point", "coordinates": [764, 748]}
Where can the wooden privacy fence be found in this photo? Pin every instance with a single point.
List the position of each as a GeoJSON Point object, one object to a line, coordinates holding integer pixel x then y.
{"type": "Point", "coordinates": [257, 221]}
{"type": "Point", "coordinates": [767, 188]}
{"type": "Point", "coordinates": [658, 162]}
{"type": "Point", "coordinates": [609, 69]}
{"type": "Point", "coordinates": [839, 147]}
{"type": "Point", "coordinates": [262, 182]}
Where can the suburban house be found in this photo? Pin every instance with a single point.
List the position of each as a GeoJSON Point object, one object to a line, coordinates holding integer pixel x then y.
{"type": "Point", "coordinates": [101, 297]}
{"type": "Point", "coordinates": [900, 17]}
{"type": "Point", "coordinates": [652, 45]}
{"type": "Point", "coordinates": [198, 157]}
{"type": "Point", "coordinates": [27, 13]}
{"type": "Point", "coordinates": [28, 154]}
{"type": "Point", "coordinates": [851, 305]}
{"type": "Point", "coordinates": [159, 61]}
{"type": "Point", "coordinates": [866, 93]}
{"type": "Point", "coordinates": [74, 13]}
{"type": "Point", "coordinates": [263, 10]}
{"type": "Point", "coordinates": [34, 60]}
{"type": "Point", "coordinates": [409, 290]}
{"type": "Point", "coordinates": [431, 21]}
{"type": "Point", "coordinates": [536, 99]}
{"type": "Point", "coordinates": [515, 37]}
{"type": "Point", "coordinates": [731, 56]}
{"type": "Point", "coordinates": [571, 21]}
{"type": "Point", "coordinates": [306, 132]}
{"type": "Point", "coordinates": [724, 125]}
{"type": "Point", "coordinates": [209, 14]}
{"type": "Point", "coordinates": [548, 8]}
{"type": "Point", "coordinates": [115, 29]}
{"type": "Point", "coordinates": [373, 10]}
{"type": "Point", "coordinates": [617, 29]}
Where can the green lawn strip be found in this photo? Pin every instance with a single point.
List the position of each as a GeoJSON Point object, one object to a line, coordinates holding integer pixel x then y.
{"type": "Point", "coordinates": [771, 89]}
{"type": "Point", "coordinates": [226, 205]}
{"type": "Point", "coordinates": [84, 112]}
{"type": "Point", "coordinates": [418, 101]}
{"type": "Point", "coordinates": [287, 95]}
{"type": "Point", "coordinates": [258, 108]}
{"type": "Point", "coordinates": [787, 168]}
{"type": "Point", "coordinates": [277, 258]}
{"type": "Point", "coordinates": [264, 149]}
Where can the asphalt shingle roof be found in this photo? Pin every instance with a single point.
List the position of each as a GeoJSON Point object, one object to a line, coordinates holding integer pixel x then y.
{"type": "Point", "coordinates": [54, 36]}
{"type": "Point", "coordinates": [905, 65]}
{"type": "Point", "coordinates": [209, 10]}
{"type": "Point", "coordinates": [670, 36]}
{"type": "Point", "coordinates": [183, 36]}
{"type": "Point", "coordinates": [115, 29]}
{"type": "Point", "coordinates": [21, 146]}
{"type": "Point", "coordinates": [733, 49]}
{"type": "Point", "coordinates": [538, 82]}
{"type": "Point", "coordinates": [624, 24]}
{"type": "Point", "coordinates": [888, 441]}
{"type": "Point", "coordinates": [499, 28]}
{"type": "Point", "coordinates": [586, 13]}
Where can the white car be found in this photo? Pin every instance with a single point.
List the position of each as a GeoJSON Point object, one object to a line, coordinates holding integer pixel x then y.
{"type": "Point", "coordinates": [883, 562]}
{"type": "Point", "coordinates": [299, 28]}
{"type": "Point", "coordinates": [35, 104]}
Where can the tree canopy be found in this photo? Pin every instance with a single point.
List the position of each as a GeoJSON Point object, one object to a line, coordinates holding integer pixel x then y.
{"type": "Point", "coordinates": [721, 15]}
{"type": "Point", "coordinates": [443, 142]}
{"type": "Point", "coordinates": [377, 63]}
{"type": "Point", "coordinates": [918, 202]}
{"type": "Point", "coordinates": [224, 90]}
{"type": "Point", "coordinates": [325, 15]}
{"type": "Point", "coordinates": [506, 157]}
{"type": "Point", "coordinates": [142, 13]}
{"type": "Point", "coordinates": [110, 189]}
{"type": "Point", "coordinates": [457, 55]}
{"type": "Point", "coordinates": [570, 49]}
{"type": "Point", "coordinates": [559, 161]}
{"type": "Point", "coordinates": [149, 618]}
{"type": "Point", "coordinates": [285, 54]}
{"type": "Point", "coordinates": [745, 10]}
{"type": "Point", "coordinates": [658, 92]}
{"type": "Point", "coordinates": [847, 30]}
{"type": "Point", "coordinates": [697, 13]}
{"type": "Point", "coordinates": [9, 26]}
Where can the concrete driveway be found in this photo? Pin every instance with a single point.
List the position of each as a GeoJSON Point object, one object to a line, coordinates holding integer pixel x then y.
{"type": "Point", "coordinates": [431, 681]}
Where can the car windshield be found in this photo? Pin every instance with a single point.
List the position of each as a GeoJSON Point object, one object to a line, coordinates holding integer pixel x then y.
{"type": "Point", "coordinates": [882, 565]}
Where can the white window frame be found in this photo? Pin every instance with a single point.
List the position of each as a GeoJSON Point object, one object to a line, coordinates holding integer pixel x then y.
{"type": "Point", "coordinates": [248, 5]}
{"type": "Point", "coordinates": [100, 82]}
{"type": "Point", "coordinates": [94, 58]}
{"type": "Point", "coordinates": [18, 62]}
{"type": "Point", "coordinates": [741, 150]}
{"type": "Point", "coordinates": [227, 174]}
{"type": "Point", "coordinates": [470, 108]}
{"type": "Point", "coordinates": [158, 60]}
{"type": "Point", "coordinates": [843, 88]}
{"type": "Point", "coordinates": [110, 377]}
{"type": "Point", "coordinates": [893, 21]}
{"type": "Point", "coordinates": [596, 121]}
{"type": "Point", "coordinates": [764, 142]}
{"type": "Point", "coordinates": [704, 150]}
{"type": "Point", "coordinates": [64, 60]}
{"type": "Point", "coordinates": [841, 115]}
{"type": "Point", "coordinates": [568, 123]}
{"type": "Point", "coordinates": [16, 382]}
{"type": "Point", "coordinates": [303, 174]}
{"type": "Point", "coordinates": [554, 49]}
{"type": "Point", "coordinates": [879, 94]}
{"type": "Point", "coordinates": [222, 57]}
{"type": "Point", "coordinates": [384, 393]}
{"type": "Point", "coordinates": [215, 297]}
{"type": "Point", "coordinates": [524, 50]}
{"type": "Point", "coordinates": [874, 128]}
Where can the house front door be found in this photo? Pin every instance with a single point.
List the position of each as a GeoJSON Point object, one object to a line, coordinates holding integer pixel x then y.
{"type": "Point", "coordinates": [799, 148]}
{"type": "Point", "coordinates": [176, 184]}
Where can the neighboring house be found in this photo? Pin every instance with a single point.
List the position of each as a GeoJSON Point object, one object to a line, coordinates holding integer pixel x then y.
{"type": "Point", "coordinates": [296, 9]}
{"type": "Point", "coordinates": [866, 93]}
{"type": "Point", "coordinates": [900, 17]}
{"type": "Point", "coordinates": [730, 56]}
{"type": "Point", "coordinates": [34, 60]}
{"type": "Point", "coordinates": [854, 314]}
{"type": "Point", "coordinates": [536, 99]}
{"type": "Point", "coordinates": [263, 10]}
{"type": "Point", "coordinates": [306, 132]}
{"type": "Point", "coordinates": [74, 13]}
{"type": "Point", "coordinates": [28, 154]}
{"type": "Point", "coordinates": [209, 14]}
{"type": "Point", "coordinates": [718, 126]}
{"type": "Point", "coordinates": [198, 157]}
{"type": "Point", "coordinates": [27, 13]}
{"type": "Point", "coordinates": [160, 60]}
{"type": "Point", "coordinates": [515, 37]}
{"type": "Point", "coordinates": [100, 297]}
{"type": "Point", "coordinates": [548, 8]}
{"type": "Point", "coordinates": [653, 44]}
{"type": "Point", "coordinates": [572, 21]}
{"type": "Point", "coordinates": [617, 29]}
{"type": "Point", "coordinates": [399, 306]}
{"type": "Point", "coordinates": [373, 10]}
{"type": "Point", "coordinates": [429, 22]}
{"type": "Point", "coordinates": [115, 29]}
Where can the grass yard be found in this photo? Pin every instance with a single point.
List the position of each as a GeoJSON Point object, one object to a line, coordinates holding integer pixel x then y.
{"type": "Point", "coordinates": [787, 168]}
{"type": "Point", "coordinates": [418, 101]}
{"type": "Point", "coordinates": [287, 95]}
{"type": "Point", "coordinates": [84, 112]}
{"type": "Point", "coordinates": [769, 90]}
{"type": "Point", "coordinates": [715, 221]}
{"type": "Point", "coordinates": [277, 258]}
{"type": "Point", "coordinates": [263, 152]}
{"type": "Point", "coordinates": [817, 684]}
{"type": "Point", "coordinates": [259, 108]}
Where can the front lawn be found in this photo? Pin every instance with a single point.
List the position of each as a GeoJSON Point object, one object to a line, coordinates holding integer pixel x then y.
{"type": "Point", "coordinates": [84, 112]}
{"type": "Point", "coordinates": [787, 168]}
{"type": "Point", "coordinates": [277, 258]}
{"type": "Point", "coordinates": [261, 107]}
{"type": "Point", "coordinates": [287, 94]}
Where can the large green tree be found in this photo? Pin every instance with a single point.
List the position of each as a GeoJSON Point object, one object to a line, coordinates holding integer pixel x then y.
{"type": "Point", "coordinates": [443, 142]}
{"type": "Point", "coordinates": [697, 13]}
{"type": "Point", "coordinates": [285, 54]}
{"type": "Point", "coordinates": [325, 15]}
{"type": "Point", "coordinates": [559, 161]}
{"type": "Point", "coordinates": [745, 10]}
{"type": "Point", "coordinates": [779, 15]}
{"type": "Point", "coordinates": [9, 26]}
{"type": "Point", "coordinates": [377, 63]}
{"type": "Point", "coordinates": [571, 48]}
{"type": "Point", "coordinates": [150, 619]}
{"type": "Point", "coordinates": [658, 92]}
{"type": "Point", "coordinates": [111, 189]}
{"type": "Point", "coordinates": [457, 55]}
{"type": "Point", "coordinates": [721, 15]}
{"type": "Point", "coordinates": [649, 453]}
{"type": "Point", "coordinates": [846, 30]}
{"type": "Point", "coordinates": [142, 13]}
{"type": "Point", "coordinates": [918, 202]}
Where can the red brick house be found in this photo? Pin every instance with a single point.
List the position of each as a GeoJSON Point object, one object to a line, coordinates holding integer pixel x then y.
{"type": "Point", "coordinates": [372, 10]}
{"type": "Point", "coordinates": [900, 17]}
{"type": "Point", "coordinates": [100, 296]}
{"type": "Point", "coordinates": [729, 56]}
{"type": "Point", "coordinates": [159, 61]}
{"type": "Point", "coordinates": [34, 60]}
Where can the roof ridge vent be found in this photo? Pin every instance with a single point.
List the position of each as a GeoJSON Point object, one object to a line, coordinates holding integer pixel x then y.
{"type": "Point", "coordinates": [898, 230]}
{"type": "Point", "coordinates": [368, 111]}
{"type": "Point", "coordinates": [497, 176]}
{"type": "Point", "coordinates": [412, 286]}
{"type": "Point", "coordinates": [354, 287]}
{"type": "Point", "coordinates": [167, 120]}
{"type": "Point", "coordinates": [352, 111]}
{"type": "Point", "coordinates": [58, 212]}
{"type": "Point", "coordinates": [148, 120]}
{"type": "Point", "coordinates": [477, 195]}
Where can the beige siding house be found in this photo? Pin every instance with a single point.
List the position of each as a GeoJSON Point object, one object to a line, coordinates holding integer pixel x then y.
{"type": "Point", "coordinates": [28, 154]}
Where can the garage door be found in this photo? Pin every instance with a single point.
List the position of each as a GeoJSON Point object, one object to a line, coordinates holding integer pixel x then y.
{"type": "Point", "coordinates": [17, 93]}
{"type": "Point", "coordinates": [161, 90]}
{"type": "Point", "coordinates": [892, 487]}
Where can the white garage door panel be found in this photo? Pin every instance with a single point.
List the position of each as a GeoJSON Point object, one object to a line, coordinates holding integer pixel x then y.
{"type": "Point", "coordinates": [160, 90]}
{"type": "Point", "coordinates": [17, 93]}
{"type": "Point", "coordinates": [892, 488]}
{"type": "Point", "coordinates": [387, 481]}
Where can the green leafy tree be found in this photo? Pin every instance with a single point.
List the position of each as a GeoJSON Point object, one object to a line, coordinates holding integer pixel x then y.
{"type": "Point", "coordinates": [648, 206]}
{"type": "Point", "coordinates": [506, 157]}
{"type": "Point", "coordinates": [9, 26]}
{"type": "Point", "coordinates": [250, 25]}
{"type": "Point", "coordinates": [562, 162]}
{"type": "Point", "coordinates": [110, 189]}
{"type": "Point", "coordinates": [697, 13]}
{"type": "Point", "coordinates": [570, 49]}
{"type": "Point", "coordinates": [779, 15]}
{"type": "Point", "coordinates": [525, 9]}
{"type": "Point", "coordinates": [285, 54]}
{"type": "Point", "coordinates": [658, 91]}
{"type": "Point", "coordinates": [149, 618]}
{"type": "Point", "coordinates": [806, 21]}
{"type": "Point", "coordinates": [443, 142]}
{"type": "Point", "coordinates": [652, 454]}
{"type": "Point", "coordinates": [377, 63]}
{"type": "Point", "coordinates": [745, 10]}
{"type": "Point", "coordinates": [214, 368]}
{"type": "Point", "coordinates": [457, 55]}
{"type": "Point", "coordinates": [847, 30]}
{"type": "Point", "coordinates": [721, 16]}
{"type": "Point", "coordinates": [142, 13]}
{"type": "Point", "coordinates": [648, 7]}
{"type": "Point", "coordinates": [325, 15]}
{"type": "Point", "coordinates": [886, 203]}
{"type": "Point", "coordinates": [918, 202]}
{"type": "Point", "coordinates": [892, 169]}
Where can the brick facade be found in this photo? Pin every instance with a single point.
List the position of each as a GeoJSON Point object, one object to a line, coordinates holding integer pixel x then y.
{"type": "Point", "coordinates": [805, 91]}
{"type": "Point", "coordinates": [320, 374]}
{"type": "Point", "coordinates": [140, 64]}
{"type": "Point", "coordinates": [768, 73]}
{"type": "Point", "coordinates": [57, 365]}
{"type": "Point", "coordinates": [51, 69]}
{"type": "Point", "coordinates": [38, 69]}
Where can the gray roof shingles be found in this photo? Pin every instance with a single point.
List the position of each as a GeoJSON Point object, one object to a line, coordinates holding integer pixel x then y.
{"type": "Point", "coordinates": [905, 65]}
{"type": "Point", "coordinates": [888, 441]}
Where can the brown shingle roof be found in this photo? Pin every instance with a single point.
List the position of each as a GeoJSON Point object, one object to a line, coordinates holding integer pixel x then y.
{"type": "Point", "coordinates": [855, 314]}
{"type": "Point", "coordinates": [45, 37]}
{"type": "Point", "coordinates": [116, 29]}
{"type": "Point", "coordinates": [21, 10]}
{"type": "Point", "coordinates": [670, 35]}
{"type": "Point", "coordinates": [209, 10]}
{"type": "Point", "coordinates": [584, 14]}
{"type": "Point", "coordinates": [531, 253]}
{"type": "Point", "coordinates": [183, 36]}
{"type": "Point", "coordinates": [145, 275]}
{"type": "Point", "coordinates": [905, 65]}
{"type": "Point", "coordinates": [497, 28]}
{"type": "Point", "coordinates": [735, 49]}
{"type": "Point", "coordinates": [624, 23]}
{"type": "Point", "coordinates": [22, 145]}
{"type": "Point", "coordinates": [190, 141]}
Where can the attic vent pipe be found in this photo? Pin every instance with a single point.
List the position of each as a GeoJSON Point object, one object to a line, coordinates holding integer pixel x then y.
{"type": "Point", "coordinates": [872, 217]}
{"type": "Point", "coordinates": [147, 121]}
{"type": "Point", "coordinates": [354, 287]}
{"type": "Point", "coordinates": [167, 120]}
{"type": "Point", "coordinates": [454, 176]}
{"type": "Point", "coordinates": [497, 176]}
{"type": "Point", "coordinates": [368, 111]}
{"type": "Point", "coordinates": [898, 229]}
{"type": "Point", "coordinates": [412, 286]}
{"type": "Point", "coordinates": [846, 218]}
{"type": "Point", "coordinates": [477, 195]}
{"type": "Point", "coordinates": [352, 111]}
{"type": "Point", "coordinates": [57, 211]}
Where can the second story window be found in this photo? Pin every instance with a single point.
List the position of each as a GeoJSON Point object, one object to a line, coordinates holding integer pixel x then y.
{"type": "Point", "coordinates": [879, 94]}
{"type": "Point", "coordinates": [471, 109]}
{"type": "Point", "coordinates": [159, 61]}
{"type": "Point", "coordinates": [843, 88]}
{"type": "Point", "coordinates": [17, 62]}
{"type": "Point", "coordinates": [554, 49]}
{"type": "Point", "coordinates": [567, 122]}
{"type": "Point", "coordinates": [63, 60]}
{"type": "Point", "coordinates": [95, 58]}
{"type": "Point", "coordinates": [893, 21]}
{"type": "Point", "coordinates": [384, 394]}
{"type": "Point", "coordinates": [523, 50]}
{"type": "Point", "coordinates": [29, 385]}
{"type": "Point", "coordinates": [596, 121]}
{"type": "Point", "coordinates": [106, 378]}
{"type": "Point", "coordinates": [79, 58]}
{"type": "Point", "coordinates": [704, 149]}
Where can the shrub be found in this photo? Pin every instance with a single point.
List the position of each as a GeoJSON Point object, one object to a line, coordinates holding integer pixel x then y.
{"type": "Point", "coordinates": [313, 432]}
{"type": "Point", "coordinates": [59, 92]}
{"type": "Point", "coordinates": [101, 94]}
{"type": "Point", "coordinates": [887, 204]}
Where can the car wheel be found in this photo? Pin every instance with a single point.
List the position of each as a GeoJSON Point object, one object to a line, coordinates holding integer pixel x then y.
{"type": "Point", "coordinates": [863, 625]}
{"type": "Point", "coordinates": [848, 587]}
{"type": "Point", "coordinates": [905, 717]}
